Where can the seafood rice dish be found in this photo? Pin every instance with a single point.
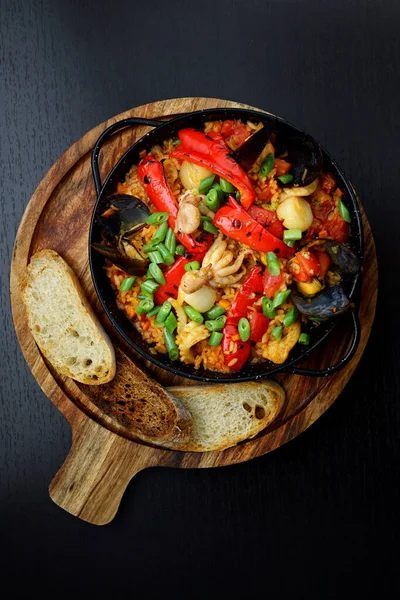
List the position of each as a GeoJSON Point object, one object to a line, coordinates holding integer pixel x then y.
{"type": "Point", "coordinates": [225, 246]}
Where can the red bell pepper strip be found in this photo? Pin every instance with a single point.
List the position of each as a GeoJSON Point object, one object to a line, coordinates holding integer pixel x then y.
{"type": "Point", "coordinates": [272, 283]}
{"type": "Point", "coordinates": [211, 152]}
{"type": "Point", "coordinates": [250, 291]}
{"type": "Point", "coordinates": [268, 219]}
{"type": "Point", "coordinates": [258, 325]}
{"type": "Point", "coordinates": [151, 174]}
{"type": "Point", "coordinates": [236, 358]}
{"type": "Point", "coordinates": [236, 223]}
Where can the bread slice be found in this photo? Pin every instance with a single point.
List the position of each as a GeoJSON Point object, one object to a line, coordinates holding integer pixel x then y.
{"type": "Point", "coordinates": [63, 323]}
{"type": "Point", "coordinates": [224, 415]}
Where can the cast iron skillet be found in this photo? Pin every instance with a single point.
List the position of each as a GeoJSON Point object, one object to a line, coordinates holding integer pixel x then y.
{"type": "Point", "coordinates": [162, 131]}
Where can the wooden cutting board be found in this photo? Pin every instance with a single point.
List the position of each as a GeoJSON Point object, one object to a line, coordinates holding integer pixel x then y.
{"type": "Point", "coordinates": [103, 459]}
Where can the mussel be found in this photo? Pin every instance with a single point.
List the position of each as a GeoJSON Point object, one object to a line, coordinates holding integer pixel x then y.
{"type": "Point", "coordinates": [305, 156]}
{"type": "Point", "coordinates": [247, 154]}
{"type": "Point", "coordinates": [121, 218]}
{"type": "Point", "coordinates": [332, 301]}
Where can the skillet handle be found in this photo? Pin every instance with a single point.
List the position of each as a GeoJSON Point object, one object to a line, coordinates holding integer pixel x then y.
{"type": "Point", "coordinates": [106, 134]}
{"type": "Point", "coordinates": [343, 361]}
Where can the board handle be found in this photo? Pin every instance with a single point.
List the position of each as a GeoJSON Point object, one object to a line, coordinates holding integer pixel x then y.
{"type": "Point", "coordinates": [106, 134]}
{"type": "Point", "coordinates": [91, 482]}
{"type": "Point", "coordinates": [342, 362]}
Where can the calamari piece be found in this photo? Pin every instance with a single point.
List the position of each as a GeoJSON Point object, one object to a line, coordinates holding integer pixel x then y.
{"type": "Point", "coordinates": [191, 334]}
{"type": "Point", "coordinates": [181, 316]}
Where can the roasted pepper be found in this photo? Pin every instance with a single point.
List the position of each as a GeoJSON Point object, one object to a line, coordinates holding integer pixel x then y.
{"type": "Point", "coordinates": [151, 174]}
{"type": "Point", "coordinates": [211, 151]}
{"type": "Point", "coordinates": [236, 223]}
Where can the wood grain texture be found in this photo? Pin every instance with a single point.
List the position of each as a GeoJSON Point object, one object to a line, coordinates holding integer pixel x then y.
{"type": "Point", "coordinates": [91, 482]}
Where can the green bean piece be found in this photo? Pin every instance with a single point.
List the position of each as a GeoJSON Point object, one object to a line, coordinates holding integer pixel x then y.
{"type": "Point", "coordinates": [212, 200]}
{"type": "Point", "coordinates": [216, 324]}
{"type": "Point", "coordinates": [156, 273]}
{"type": "Point", "coordinates": [244, 329]}
{"type": "Point", "coordinates": [163, 313]}
{"type": "Point", "coordinates": [155, 257]}
{"type": "Point", "coordinates": [226, 187]}
{"type": "Point", "coordinates": [237, 196]}
{"type": "Point", "coordinates": [176, 142]}
{"type": "Point", "coordinates": [267, 308]}
{"type": "Point", "coordinates": [150, 286]}
{"type": "Point", "coordinates": [206, 183]}
{"type": "Point", "coordinates": [154, 311]}
{"type": "Point", "coordinates": [344, 211]}
{"type": "Point", "coordinates": [277, 332]}
{"type": "Point", "coordinates": [144, 306]}
{"type": "Point", "coordinates": [215, 338]}
{"type": "Point", "coordinates": [167, 258]}
{"type": "Point", "coordinates": [149, 248]}
{"type": "Point", "coordinates": [180, 250]}
{"type": "Point", "coordinates": [193, 314]}
{"type": "Point", "coordinates": [220, 193]}
{"type": "Point", "coordinates": [171, 322]}
{"type": "Point", "coordinates": [194, 265]}
{"type": "Point", "coordinates": [215, 312]}
{"type": "Point", "coordinates": [170, 241]}
{"type": "Point", "coordinates": [280, 298]}
{"type": "Point", "coordinates": [273, 264]}
{"type": "Point", "coordinates": [210, 227]}
{"type": "Point", "coordinates": [290, 243]}
{"type": "Point", "coordinates": [286, 178]}
{"type": "Point", "coordinates": [144, 294]}
{"type": "Point", "coordinates": [170, 343]}
{"type": "Point", "coordinates": [267, 165]}
{"type": "Point", "coordinates": [160, 234]}
{"type": "Point", "coordinates": [290, 317]}
{"type": "Point", "coordinates": [291, 235]}
{"type": "Point", "coordinates": [157, 218]}
{"type": "Point", "coordinates": [304, 339]}
{"type": "Point", "coordinates": [127, 284]}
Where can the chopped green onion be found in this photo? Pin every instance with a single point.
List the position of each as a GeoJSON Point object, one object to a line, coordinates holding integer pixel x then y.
{"type": "Point", "coordinates": [267, 308]}
{"type": "Point", "coordinates": [180, 250]}
{"type": "Point", "coordinates": [206, 183]}
{"type": "Point", "coordinates": [167, 257]}
{"type": "Point", "coordinates": [273, 264]}
{"type": "Point", "coordinates": [304, 339]}
{"type": "Point", "coordinates": [163, 312]}
{"type": "Point", "coordinates": [171, 322]}
{"type": "Point", "coordinates": [277, 332]}
{"type": "Point", "coordinates": [237, 195]}
{"type": "Point", "coordinates": [290, 317]}
{"type": "Point", "coordinates": [150, 286]}
{"type": "Point", "coordinates": [290, 243]}
{"type": "Point", "coordinates": [204, 218]}
{"type": "Point", "coordinates": [193, 314]}
{"type": "Point", "coordinates": [215, 312]}
{"type": "Point", "coordinates": [170, 343]}
{"type": "Point", "coordinates": [210, 227]}
{"type": "Point", "coordinates": [286, 178]}
{"type": "Point", "coordinates": [267, 165]}
{"type": "Point", "coordinates": [155, 257]}
{"type": "Point", "coordinates": [127, 284]}
{"type": "Point", "coordinates": [280, 298]}
{"type": "Point", "coordinates": [157, 218]}
{"type": "Point", "coordinates": [154, 311]}
{"type": "Point", "coordinates": [212, 200]}
{"type": "Point", "coordinates": [144, 306]}
{"type": "Point", "coordinates": [216, 324]}
{"type": "Point", "coordinates": [156, 273]}
{"type": "Point", "coordinates": [144, 294]}
{"type": "Point", "coordinates": [344, 211]}
{"type": "Point", "coordinates": [160, 234]}
{"type": "Point", "coordinates": [216, 186]}
{"type": "Point", "coordinates": [215, 338]}
{"type": "Point", "coordinates": [244, 329]}
{"type": "Point", "coordinates": [291, 235]}
{"type": "Point", "coordinates": [226, 186]}
{"type": "Point", "coordinates": [170, 241]}
{"type": "Point", "coordinates": [194, 265]}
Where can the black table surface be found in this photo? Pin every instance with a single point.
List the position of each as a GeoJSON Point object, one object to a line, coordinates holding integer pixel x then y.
{"type": "Point", "coordinates": [317, 518]}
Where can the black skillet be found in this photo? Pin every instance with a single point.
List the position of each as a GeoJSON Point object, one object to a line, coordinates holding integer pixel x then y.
{"type": "Point", "coordinates": [167, 129]}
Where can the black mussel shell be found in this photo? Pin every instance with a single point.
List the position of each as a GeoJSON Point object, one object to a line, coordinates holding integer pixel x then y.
{"type": "Point", "coordinates": [331, 302]}
{"type": "Point", "coordinates": [304, 155]}
{"type": "Point", "coordinates": [248, 152]}
{"type": "Point", "coordinates": [129, 216]}
{"type": "Point", "coordinates": [344, 261]}
{"type": "Point", "coordinates": [131, 266]}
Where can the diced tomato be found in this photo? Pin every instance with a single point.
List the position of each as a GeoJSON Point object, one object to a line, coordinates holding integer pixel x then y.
{"type": "Point", "coordinates": [327, 183]}
{"type": "Point", "coordinates": [265, 192]}
{"type": "Point", "coordinates": [282, 166]}
{"type": "Point", "coordinates": [258, 326]}
{"type": "Point", "coordinates": [268, 219]}
{"type": "Point", "coordinates": [235, 132]}
{"type": "Point", "coordinates": [336, 228]}
{"type": "Point", "coordinates": [272, 283]}
{"type": "Point", "coordinates": [304, 266]}
{"type": "Point", "coordinates": [324, 262]}
{"type": "Point", "coordinates": [322, 204]}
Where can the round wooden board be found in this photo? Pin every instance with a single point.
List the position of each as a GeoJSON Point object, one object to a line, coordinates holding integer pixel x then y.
{"type": "Point", "coordinates": [101, 463]}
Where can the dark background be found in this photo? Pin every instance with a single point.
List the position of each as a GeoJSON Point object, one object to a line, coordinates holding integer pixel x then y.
{"type": "Point", "coordinates": [317, 518]}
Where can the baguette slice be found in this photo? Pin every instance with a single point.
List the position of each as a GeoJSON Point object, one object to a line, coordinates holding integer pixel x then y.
{"type": "Point", "coordinates": [63, 323]}
{"type": "Point", "coordinates": [224, 415]}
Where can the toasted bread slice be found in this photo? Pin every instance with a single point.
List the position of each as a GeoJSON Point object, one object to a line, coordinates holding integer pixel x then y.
{"type": "Point", "coordinates": [224, 415]}
{"type": "Point", "coordinates": [63, 323]}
